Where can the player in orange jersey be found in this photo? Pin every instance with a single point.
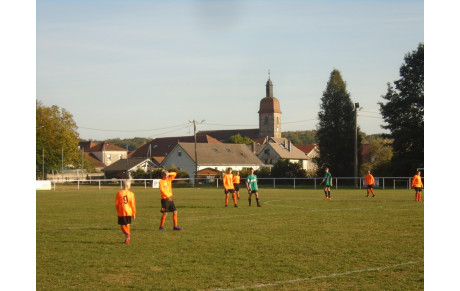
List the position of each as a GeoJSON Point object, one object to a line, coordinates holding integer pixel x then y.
{"type": "Point", "coordinates": [418, 186]}
{"type": "Point", "coordinates": [236, 184]}
{"type": "Point", "coordinates": [229, 187]}
{"type": "Point", "coordinates": [370, 182]}
{"type": "Point", "coordinates": [126, 208]}
{"type": "Point", "coordinates": [167, 204]}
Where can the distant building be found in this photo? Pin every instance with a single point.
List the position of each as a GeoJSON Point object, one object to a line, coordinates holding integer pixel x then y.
{"type": "Point", "coordinates": [282, 148]}
{"type": "Point", "coordinates": [217, 156]}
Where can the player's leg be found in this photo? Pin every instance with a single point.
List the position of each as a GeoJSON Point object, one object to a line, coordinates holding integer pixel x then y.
{"type": "Point", "coordinates": [226, 199]}
{"type": "Point", "coordinates": [162, 220]}
{"type": "Point", "coordinates": [250, 198]}
{"type": "Point", "coordinates": [257, 199]}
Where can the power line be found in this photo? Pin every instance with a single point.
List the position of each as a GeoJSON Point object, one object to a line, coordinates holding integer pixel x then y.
{"type": "Point", "coordinates": [130, 130]}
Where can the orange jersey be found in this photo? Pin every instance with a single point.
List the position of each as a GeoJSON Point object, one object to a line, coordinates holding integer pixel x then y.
{"type": "Point", "coordinates": [417, 182]}
{"type": "Point", "coordinates": [166, 187]}
{"type": "Point", "coordinates": [228, 181]}
{"type": "Point", "coordinates": [125, 203]}
{"type": "Point", "coordinates": [236, 179]}
{"type": "Point", "coordinates": [369, 180]}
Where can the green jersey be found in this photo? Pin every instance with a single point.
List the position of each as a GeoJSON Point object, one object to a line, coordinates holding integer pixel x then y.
{"type": "Point", "coordinates": [251, 180]}
{"type": "Point", "coordinates": [328, 179]}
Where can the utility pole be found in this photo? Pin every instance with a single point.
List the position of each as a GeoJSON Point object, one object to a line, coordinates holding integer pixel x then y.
{"type": "Point", "coordinates": [196, 156]}
{"type": "Point", "coordinates": [356, 145]}
{"type": "Point", "coordinates": [43, 164]}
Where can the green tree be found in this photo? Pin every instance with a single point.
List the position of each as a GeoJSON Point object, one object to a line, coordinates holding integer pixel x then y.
{"type": "Point", "coordinates": [237, 138]}
{"type": "Point", "coordinates": [380, 154]}
{"type": "Point", "coordinates": [301, 137]}
{"type": "Point", "coordinates": [336, 129]}
{"type": "Point", "coordinates": [56, 133]}
{"type": "Point", "coordinates": [285, 169]}
{"type": "Point", "coordinates": [403, 114]}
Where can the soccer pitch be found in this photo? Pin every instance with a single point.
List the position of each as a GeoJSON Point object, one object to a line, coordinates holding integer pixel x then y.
{"type": "Point", "coordinates": [295, 241]}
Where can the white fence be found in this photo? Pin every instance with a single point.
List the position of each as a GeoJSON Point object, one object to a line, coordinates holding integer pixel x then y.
{"type": "Point", "coordinates": [293, 183]}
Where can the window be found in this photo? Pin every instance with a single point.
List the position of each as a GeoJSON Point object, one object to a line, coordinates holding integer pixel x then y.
{"type": "Point", "coordinates": [120, 156]}
{"type": "Point", "coordinates": [179, 154]}
{"type": "Point", "coordinates": [109, 157]}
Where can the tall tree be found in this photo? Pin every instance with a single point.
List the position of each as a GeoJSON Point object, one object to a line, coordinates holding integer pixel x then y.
{"type": "Point", "coordinates": [56, 139]}
{"type": "Point", "coordinates": [403, 114]}
{"type": "Point", "coordinates": [336, 128]}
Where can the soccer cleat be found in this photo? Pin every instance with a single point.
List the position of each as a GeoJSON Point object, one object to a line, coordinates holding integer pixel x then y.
{"type": "Point", "coordinates": [177, 228]}
{"type": "Point", "coordinates": [259, 205]}
{"type": "Point", "coordinates": [161, 228]}
{"type": "Point", "coordinates": [225, 206]}
{"type": "Point", "coordinates": [236, 205]}
{"type": "Point", "coordinates": [373, 195]}
{"type": "Point", "coordinates": [128, 237]}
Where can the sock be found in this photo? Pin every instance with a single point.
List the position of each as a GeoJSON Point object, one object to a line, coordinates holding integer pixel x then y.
{"type": "Point", "coordinates": [325, 193]}
{"type": "Point", "coordinates": [249, 199]}
{"type": "Point", "coordinates": [367, 192]}
{"type": "Point", "coordinates": [234, 199]}
{"type": "Point", "coordinates": [226, 199]}
{"type": "Point", "coordinates": [128, 229]}
{"type": "Point", "coordinates": [372, 190]}
{"type": "Point", "coordinates": [175, 219]}
{"type": "Point", "coordinates": [123, 229]}
{"type": "Point", "coordinates": [328, 194]}
{"type": "Point", "coordinates": [162, 223]}
{"type": "Point", "coordinates": [257, 199]}
{"type": "Point", "coordinates": [238, 195]}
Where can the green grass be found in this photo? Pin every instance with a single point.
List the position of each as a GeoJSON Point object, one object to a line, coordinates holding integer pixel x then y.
{"type": "Point", "coordinates": [295, 241]}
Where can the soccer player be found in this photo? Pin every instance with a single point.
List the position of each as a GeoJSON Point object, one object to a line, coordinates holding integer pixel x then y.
{"type": "Point", "coordinates": [167, 204]}
{"type": "Point", "coordinates": [125, 204]}
{"type": "Point", "coordinates": [236, 183]}
{"type": "Point", "coordinates": [251, 185]}
{"type": "Point", "coordinates": [327, 180]}
{"type": "Point", "coordinates": [370, 182]}
{"type": "Point", "coordinates": [229, 187]}
{"type": "Point", "coordinates": [417, 185]}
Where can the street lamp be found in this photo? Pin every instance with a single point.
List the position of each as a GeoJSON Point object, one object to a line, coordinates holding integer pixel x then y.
{"type": "Point", "coordinates": [356, 145]}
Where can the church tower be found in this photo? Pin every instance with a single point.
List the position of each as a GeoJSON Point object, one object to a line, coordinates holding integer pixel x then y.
{"type": "Point", "coordinates": [269, 114]}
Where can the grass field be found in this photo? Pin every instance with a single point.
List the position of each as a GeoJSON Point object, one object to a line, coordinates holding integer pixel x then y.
{"type": "Point", "coordinates": [295, 241]}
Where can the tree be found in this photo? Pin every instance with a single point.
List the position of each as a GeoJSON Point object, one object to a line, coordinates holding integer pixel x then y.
{"type": "Point", "coordinates": [56, 138]}
{"type": "Point", "coordinates": [237, 138]}
{"type": "Point", "coordinates": [285, 169]}
{"type": "Point", "coordinates": [336, 129]}
{"type": "Point", "coordinates": [380, 154]}
{"type": "Point", "coordinates": [403, 114]}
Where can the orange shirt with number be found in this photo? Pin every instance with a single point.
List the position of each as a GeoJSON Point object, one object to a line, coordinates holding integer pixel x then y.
{"type": "Point", "coordinates": [125, 203]}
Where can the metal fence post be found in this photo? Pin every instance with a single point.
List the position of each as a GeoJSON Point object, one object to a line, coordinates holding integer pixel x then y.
{"type": "Point", "coordinates": [294, 183]}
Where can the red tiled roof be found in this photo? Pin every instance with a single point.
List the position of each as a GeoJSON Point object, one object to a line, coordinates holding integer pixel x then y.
{"type": "Point", "coordinates": [307, 148]}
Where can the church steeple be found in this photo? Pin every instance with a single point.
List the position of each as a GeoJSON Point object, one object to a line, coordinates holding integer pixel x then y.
{"type": "Point", "coordinates": [269, 113]}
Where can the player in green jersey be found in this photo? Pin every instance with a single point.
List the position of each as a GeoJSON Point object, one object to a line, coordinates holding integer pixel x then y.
{"type": "Point", "coordinates": [251, 185]}
{"type": "Point", "coordinates": [327, 180]}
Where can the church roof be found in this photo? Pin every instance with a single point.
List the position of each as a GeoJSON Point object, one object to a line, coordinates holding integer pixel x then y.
{"type": "Point", "coordinates": [269, 105]}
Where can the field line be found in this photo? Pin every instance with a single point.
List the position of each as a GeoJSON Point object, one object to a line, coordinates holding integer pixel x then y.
{"type": "Point", "coordinates": [322, 277]}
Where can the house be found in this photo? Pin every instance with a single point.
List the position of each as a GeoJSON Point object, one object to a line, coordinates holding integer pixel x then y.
{"type": "Point", "coordinates": [123, 167]}
{"type": "Point", "coordinates": [218, 156]}
{"type": "Point", "coordinates": [281, 148]}
{"type": "Point", "coordinates": [312, 152]}
{"type": "Point", "coordinates": [159, 148]}
{"type": "Point", "coordinates": [107, 153]}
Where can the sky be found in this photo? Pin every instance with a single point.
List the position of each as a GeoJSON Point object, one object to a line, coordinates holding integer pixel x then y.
{"type": "Point", "coordinates": [128, 69]}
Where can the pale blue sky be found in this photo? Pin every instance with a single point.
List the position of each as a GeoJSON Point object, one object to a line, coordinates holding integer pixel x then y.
{"type": "Point", "coordinates": [141, 68]}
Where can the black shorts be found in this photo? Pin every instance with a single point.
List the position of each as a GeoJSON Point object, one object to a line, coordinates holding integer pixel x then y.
{"type": "Point", "coordinates": [229, 191]}
{"type": "Point", "coordinates": [417, 189]}
{"type": "Point", "coordinates": [253, 191]}
{"type": "Point", "coordinates": [237, 187]}
{"type": "Point", "coordinates": [370, 186]}
{"type": "Point", "coordinates": [167, 206]}
{"type": "Point", "coordinates": [124, 220]}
